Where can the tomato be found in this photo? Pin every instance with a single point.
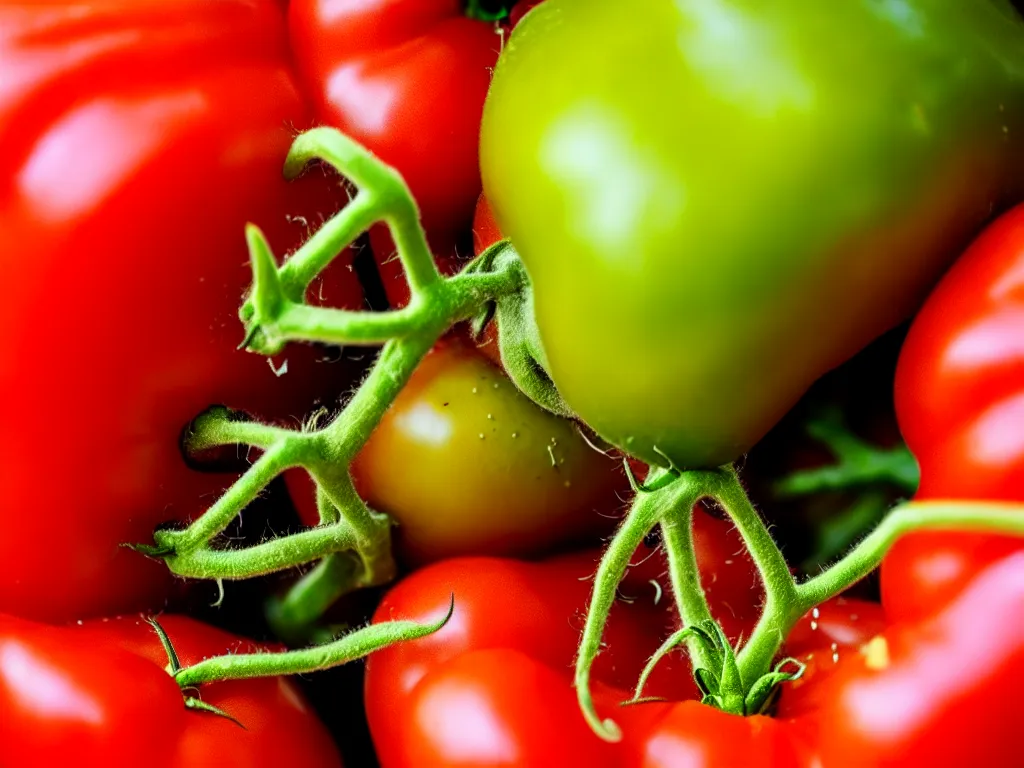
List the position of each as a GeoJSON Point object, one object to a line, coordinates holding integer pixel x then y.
{"type": "Point", "coordinates": [407, 79]}
{"type": "Point", "coordinates": [99, 694]}
{"type": "Point", "coordinates": [466, 464]}
{"type": "Point", "coordinates": [139, 137]}
{"type": "Point", "coordinates": [960, 403]}
{"type": "Point", "coordinates": [935, 693]}
{"type": "Point", "coordinates": [733, 202]}
{"type": "Point", "coordinates": [493, 687]}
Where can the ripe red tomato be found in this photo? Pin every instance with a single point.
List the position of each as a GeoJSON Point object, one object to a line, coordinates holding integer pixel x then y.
{"type": "Point", "coordinates": [139, 136]}
{"type": "Point", "coordinates": [406, 78]}
{"type": "Point", "coordinates": [493, 687]}
{"type": "Point", "coordinates": [960, 403]}
{"type": "Point", "coordinates": [466, 464]}
{"type": "Point", "coordinates": [99, 694]}
{"type": "Point", "coordinates": [936, 693]}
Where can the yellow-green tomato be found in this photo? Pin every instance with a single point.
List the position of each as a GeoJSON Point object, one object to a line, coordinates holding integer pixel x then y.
{"type": "Point", "coordinates": [466, 464]}
{"type": "Point", "coordinates": [719, 200]}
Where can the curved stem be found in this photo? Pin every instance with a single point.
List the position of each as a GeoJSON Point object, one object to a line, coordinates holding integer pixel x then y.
{"type": "Point", "coordinates": [269, 557]}
{"type": "Point", "coordinates": [275, 460]}
{"type": "Point", "coordinates": [352, 646]}
{"type": "Point", "coordinates": [684, 574]}
{"type": "Point", "coordinates": [780, 588]}
{"type": "Point", "coordinates": [988, 517]}
{"type": "Point", "coordinates": [309, 598]}
{"type": "Point", "coordinates": [756, 657]}
{"type": "Point", "coordinates": [647, 510]}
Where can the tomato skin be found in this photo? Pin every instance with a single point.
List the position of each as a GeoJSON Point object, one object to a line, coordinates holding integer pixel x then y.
{"type": "Point", "coordinates": [691, 735]}
{"type": "Point", "coordinates": [139, 137]}
{"type": "Point", "coordinates": [941, 695]}
{"type": "Point", "coordinates": [610, 140]}
{"type": "Point", "coordinates": [505, 665]}
{"type": "Point", "coordinates": [464, 463]}
{"type": "Point", "coordinates": [960, 404]}
{"type": "Point", "coordinates": [99, 692]}
{"type": "Point", "coordinates": [406, 78]}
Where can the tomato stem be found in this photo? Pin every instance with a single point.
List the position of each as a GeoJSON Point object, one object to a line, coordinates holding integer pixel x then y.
{"type": "Point", "coordinates": [353, 542]}
{"type": "Point", "coordinates": [354, 645]}
{"type": "Point", "coordinates": [647, 510]}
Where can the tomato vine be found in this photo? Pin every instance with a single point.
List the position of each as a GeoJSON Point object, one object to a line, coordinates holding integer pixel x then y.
{"type": "Point", "coordinates": [352, 543]}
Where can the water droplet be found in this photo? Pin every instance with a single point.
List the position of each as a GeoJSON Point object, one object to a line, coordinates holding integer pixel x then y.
{"type": "Point", "coordinates": [815, 613]}
{"type": "Point", "coordinates": [814, 624]}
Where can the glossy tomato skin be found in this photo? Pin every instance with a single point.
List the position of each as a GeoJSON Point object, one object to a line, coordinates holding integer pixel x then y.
{"type": "Point", "coordinates": [139, 138]}
{"type": "Point", "coordinates": [937, 692]}
{"type": "Point", "coordinates": [99, 694]}
{"type": "Point", "coordinates": [494, 684]}
{"type": "Point", "coordinates": [406, 78]}
{"type": "Point", "coordinates": [656, 172]}
{"type": "Point", "coordinates": [960, 403]}
{"type": "Point", "coordinates": [466, 464]}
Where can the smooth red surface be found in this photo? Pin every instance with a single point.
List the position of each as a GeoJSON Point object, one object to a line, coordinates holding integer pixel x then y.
{"type": "Point", "coordinates": [945, 693]}
{"type": "Point", "coordinates": [100, 692]}
{"type": "Point", "coordinates": [139, 137]}
{"type": "Point", "coordinates": [960, 404]}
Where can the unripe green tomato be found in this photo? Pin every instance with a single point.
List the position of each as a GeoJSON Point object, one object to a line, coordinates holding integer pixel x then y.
{"type": "Point", "coordinates": [466, 464]}
{"type": "Point", "coordinates": [718, 201]}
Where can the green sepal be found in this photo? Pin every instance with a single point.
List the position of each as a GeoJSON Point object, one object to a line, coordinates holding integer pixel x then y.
{"type": "Point", "coordinates": [522, 353]}
{"type": "Point", "coordinates": [157, 552]}
{"type": "Point", "coordinates": [173, 664]}
{"type": "Point", "coordinates": [764, 690]}
{"type": "Point", "coordinates": [191, 702]}
{"type": "Point", "coordinates": [267, 299]}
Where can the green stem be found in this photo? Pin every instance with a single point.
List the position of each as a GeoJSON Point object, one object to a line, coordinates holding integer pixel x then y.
{"type": "Point", "coordinates": [269, 557]}
{"type": "Point", "coordinates": [647, 510]}
{"type": "Point", "coordinates": [756, 657]}
{"type": "Point", "coordinates": [273, 462]}
{"type": "Point", "coordinates": [309, 598]}
{"type": "Point", "coordinates": [684, 574]}
{"type": "Point", "coordinates": [348, 648]}
{"type": "Point", "coordinates": [779, 586]}
{"type": "Point", "coordinates": [987, 517]}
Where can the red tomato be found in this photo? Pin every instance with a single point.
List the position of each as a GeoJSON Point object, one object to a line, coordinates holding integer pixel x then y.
{"type": "Point", "coordinates": [936, 693]}
{"type": "Point", "coordinates": [99, 694]}
{"type": "Point", "coordinates": [139, 136]}
{"type": "Point", "coordinates": [960, 403]}
{"type": "Point", "coordinates": [509, 616]}
{"type": "Point", "coordinates": [406, 78]}
{"type": "Point", "coordinates": [493, 687]}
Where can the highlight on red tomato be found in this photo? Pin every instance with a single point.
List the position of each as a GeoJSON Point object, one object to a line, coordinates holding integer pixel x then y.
{"type": "Point", "coordinates": [960, 404]}
{"type": "Point", "coordinates": [99, 693]}
{"type": "Point", "coordinates": [139, 137]}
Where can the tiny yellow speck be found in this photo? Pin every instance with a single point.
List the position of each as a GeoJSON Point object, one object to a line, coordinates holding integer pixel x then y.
{"type": "Point", "coordinates": [481, 435]}
{"type": "Point", "coordinates": [474, 390]}
{"type": "Point", "coordinates": [876, 653]}
{"type": "Point", "coordinates": [515, 434]}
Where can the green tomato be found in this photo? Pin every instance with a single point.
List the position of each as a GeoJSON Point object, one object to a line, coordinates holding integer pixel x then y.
{"type": "Point", "coordinates": [719, 200]}
{"type": "Point", "coordinates": [467, 465]}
